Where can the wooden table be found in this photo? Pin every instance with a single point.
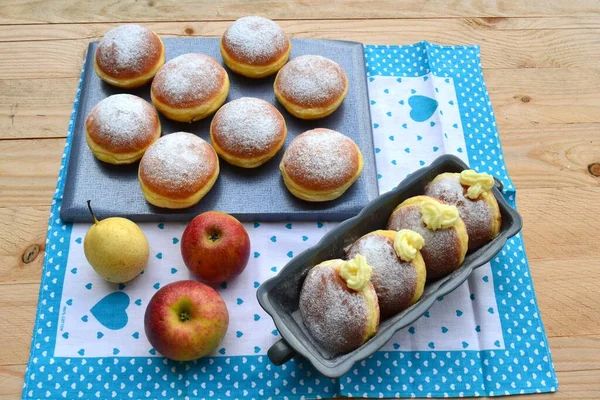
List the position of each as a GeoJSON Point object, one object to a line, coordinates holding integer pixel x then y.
{"type": "Point", "coordinates": [541, 63]}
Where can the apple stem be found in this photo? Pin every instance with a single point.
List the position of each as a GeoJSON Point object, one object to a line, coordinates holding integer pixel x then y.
{"type": "Point", "coordinates": [89, 203]}
{"type": "Point", "coordinates": [184, 316]}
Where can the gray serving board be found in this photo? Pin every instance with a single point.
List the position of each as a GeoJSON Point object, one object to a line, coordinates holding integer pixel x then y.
{"type": "Point", "coordinates": [248, 194]}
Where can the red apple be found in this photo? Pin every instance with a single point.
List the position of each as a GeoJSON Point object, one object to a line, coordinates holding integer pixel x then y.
{"type": "Point", "coordinates": [215, 247]}
{"type": "Point", "coordinates": [186, 320]}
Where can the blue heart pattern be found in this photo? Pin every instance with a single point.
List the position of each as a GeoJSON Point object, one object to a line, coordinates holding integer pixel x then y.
{"type": "Point", "coordinates": [111, 310]}
{"type": "Point", "coordinates": [422, 107]}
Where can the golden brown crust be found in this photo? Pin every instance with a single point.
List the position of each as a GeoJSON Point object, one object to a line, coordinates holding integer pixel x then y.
{"type": "Point", "coordinates": [122, 123]}
{"type": "Point", "coordinates": [481, 216]}
{"type": "Point", "coordinates": [189, 81]}
{"type": "Point", "coordinates": [322, 159]}
{"type": "Point", "coordinates": [178, 165]}
{"type": "Point", "coordinates": [338, 318]}
{"type": "Point", "coordinates": [394, 280]}
{"type": "Point", "coordinates": [444, 249]}
{"type": "Point", "coordinates": [442, 255]}
{"type": "Point", "coordinates": [248, 128]}
{"type": "Point", "coordinates": [311, 81]}
{"type": "Point", "coordinates": [255, 41]}
{"type": "Point", "coordinates": [129, 51]}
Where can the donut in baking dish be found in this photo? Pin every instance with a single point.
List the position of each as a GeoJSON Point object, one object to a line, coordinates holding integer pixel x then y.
{"type": "Point", "coordinates": [178, 170]}
{"type": "Point", "coordinates": [398, 267]}
{"type": "Point", "coordinates": [120, 128]}
{"type": "Point", "coordinates": [320, 165]}
{"type": "Point", "coordinates": [247, 132]}
{"type": "Point", "coordinates": [129, 56]}
{"type": "Point", "coordinates": [339, 305]}
{"type": "Point", "coordinates": [190, 87]}
{"type": "Point", "coordinates": [440, 225]}
{"type": "Point", "coordinates": [311, 86]}
{"type": "Point", "coordinates": [471, 193]}
{"type": "Point", "coordinates": [255, 47]}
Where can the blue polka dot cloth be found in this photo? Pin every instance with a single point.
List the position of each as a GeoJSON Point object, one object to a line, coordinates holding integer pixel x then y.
{"type": "Point", "coordinates": [485, 338]}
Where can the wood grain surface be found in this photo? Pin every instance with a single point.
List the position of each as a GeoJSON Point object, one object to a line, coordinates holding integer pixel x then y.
{"type": "Point", "coordinates": [541, 65]}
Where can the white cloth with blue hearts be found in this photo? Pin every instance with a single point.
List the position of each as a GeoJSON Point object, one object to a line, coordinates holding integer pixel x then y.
{"type": "Point", "coordinates": [484, 338]}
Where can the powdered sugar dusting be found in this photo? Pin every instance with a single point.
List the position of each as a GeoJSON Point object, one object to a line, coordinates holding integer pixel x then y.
{"type": "Point", "coordinates": [247, 125]}
{"type": "Point", "coordinates": [126, 46]}
{"type": "Point", "coordinates": [123, 119]}
{"type": "Point", "coordinates": [394, 280]}
{"type": "Point", "coordinates": [321, 156]}
{"type": "Point", "coordinates": [334, 316]}
{"type": "Point", "coordinates": [255, 40]}
{"type": "Point", "coordinates": [311, 80]}
{"type": "Point", "coordinates": [177, 161]}
{"type": "Point", "coordinates": [188, 78]}
{"type": "Point", "coordinates": [476, 214]}
{"type": "Point", "coordinates": [440, 252]}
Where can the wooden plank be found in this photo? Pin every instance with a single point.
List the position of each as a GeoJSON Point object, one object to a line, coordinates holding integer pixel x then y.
{"type": "Point", "coordinates": [549, 213]}
{"type": "Point", "coordinates": [35, 60]}
{"type": "Point", "coordinates": [11, 381]}
{"type": "Point", "coordinates": [565, 158]}
{"type": "Point", "coordinates": [36, 108]}
{"type": "Point", "coordinates": [545, 48]}
{"type": "Point", "coordinates": [57, 11]}
{"type": "Point", "coordinates": [533, 96]}
{"type": "Point", "coordinates": [18, 306]}
{"type": "Point", "coordinates": [533, 101]}
{"type": "Point", "coordinates": [566, 293]}
{"type": "Point", "coordinates": [580, 385]}
{"type": "Point", "coordinates": [565, 274]}
{"type": "Point", "coordinates": [28, 171]}
{"type": "Point", "coordinates": [560, 223]}
{"type": "Point", "coordinates": [561, 159]}
{"type": "Point", "coordinates": [395, 28]}
{"type": "Point", "coordinates": [22, 228]}
{"type": "Point", "coordinates": [576, 353]}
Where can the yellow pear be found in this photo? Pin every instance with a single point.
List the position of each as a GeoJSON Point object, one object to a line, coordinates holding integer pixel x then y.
{"type": "Point", "coordinates": [116, 248]}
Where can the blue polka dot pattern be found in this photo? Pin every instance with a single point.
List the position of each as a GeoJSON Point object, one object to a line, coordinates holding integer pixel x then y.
{"type": "Point", "coordinates": [462, 64]}
{"type": "Point", "coordinates": [519, 361]}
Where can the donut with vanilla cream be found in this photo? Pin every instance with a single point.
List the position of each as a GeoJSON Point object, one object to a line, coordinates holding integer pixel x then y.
{"type": "Point", "coordinates": [339, 305]}
{"type": "Point", "coordinates": [471, 193]}
{"type": "Point", "coordinates": [178, 170]}
{"type": "Point", "coordinates": [129, 56]}
{"type": "Point", "coordinates": [255, 47]}
{"type": "Point", "coordinates": [247, 132]}
{"type": "Point", "coordinates": [311, 86]}
{"type": "Point", "coordinates": [443, 231]}
{"type": "Point", "coordinates": [320, 165]}
{"type": "Point", "coordinates": [398, 267]}
{"type": "Point", "coordinates": [120, 128]}
{"type": "Point", "coordinates": [190, 87]}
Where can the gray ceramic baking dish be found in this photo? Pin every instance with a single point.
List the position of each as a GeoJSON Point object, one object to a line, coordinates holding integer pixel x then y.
{"type": "Point", "coordinates": [279, 295]}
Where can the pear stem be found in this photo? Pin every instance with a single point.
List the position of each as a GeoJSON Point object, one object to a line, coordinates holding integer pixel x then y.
{"type": "Point", "coordinates": [89, 203]}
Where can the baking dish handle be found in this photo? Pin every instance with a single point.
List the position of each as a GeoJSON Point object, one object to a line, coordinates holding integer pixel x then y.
{"type": "Point", "coordinates": [281, 352]}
